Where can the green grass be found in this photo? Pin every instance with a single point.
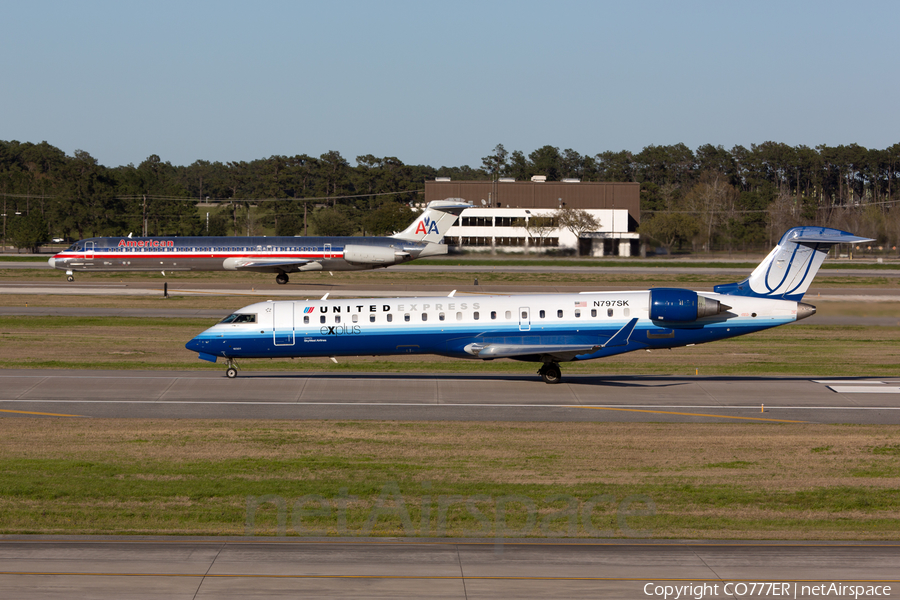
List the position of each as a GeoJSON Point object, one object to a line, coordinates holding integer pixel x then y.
{"type": "Point", "coordinates": [435, 479]}
{"type": "Point", "coordinates": [14, 258]}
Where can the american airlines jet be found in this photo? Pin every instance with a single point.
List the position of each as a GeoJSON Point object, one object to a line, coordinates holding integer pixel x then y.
{"type": "Point", "coordinates": [280, 255]}
{"type": "Point", "coordinates": [546, 328]}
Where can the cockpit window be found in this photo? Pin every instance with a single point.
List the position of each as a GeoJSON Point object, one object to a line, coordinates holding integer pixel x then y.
{"type": "Point", "coordinates": [239, 318]}
{"type": "Point", "coordinates": [74, 248]}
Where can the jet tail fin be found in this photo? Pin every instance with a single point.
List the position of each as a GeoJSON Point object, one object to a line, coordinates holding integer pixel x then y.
{"type": "Point", "coordinates": [789, 269]}
{"type": "Point", "coordinates": [437, 218]}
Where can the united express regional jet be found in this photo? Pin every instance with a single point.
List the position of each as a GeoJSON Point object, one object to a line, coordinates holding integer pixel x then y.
{"type": "Point", "coordinates": [280, 255]}
{"type": "Point", "coordinates": [546, 328]}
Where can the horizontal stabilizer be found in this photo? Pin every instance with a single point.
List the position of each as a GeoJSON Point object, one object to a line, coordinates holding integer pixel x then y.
{"type": "Point", "coordinates": [825, 238]}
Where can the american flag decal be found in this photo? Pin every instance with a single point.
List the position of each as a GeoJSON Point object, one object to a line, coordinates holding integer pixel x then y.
{"type": "Point", "coordinates": [581, 303]}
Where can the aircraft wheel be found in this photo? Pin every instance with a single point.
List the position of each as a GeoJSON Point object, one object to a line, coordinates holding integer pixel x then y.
{"type": "Point", "coordinates": [550, 373]}
{"type": "Point", "coordinates": [231, 372]}
{"type": "Point", "coordinates": [281, 278]}
{"type": "Point", "coordinates": [70, 278]}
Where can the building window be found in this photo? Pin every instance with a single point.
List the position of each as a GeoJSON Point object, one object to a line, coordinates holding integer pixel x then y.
{"type": "Point", "coordinates": [476, 241]}
{"type": "Point", "coordinates": [477, 222]}
{"type": "Point", "coordinates": [509, 221]}
{"type": "Point", "coordinates": [509, 241]}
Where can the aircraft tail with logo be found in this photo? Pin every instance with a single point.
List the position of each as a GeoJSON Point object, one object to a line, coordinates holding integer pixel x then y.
{"type": "Point", "coordinates": [437, 218]}
{"type": "Point", "coordinates": [790, 267]}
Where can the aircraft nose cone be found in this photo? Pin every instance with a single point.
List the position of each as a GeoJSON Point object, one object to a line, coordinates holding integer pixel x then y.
{"type": "Point", "coordinates": [194, 345]}
{"type": "Point", "coordinates": [52, 262]}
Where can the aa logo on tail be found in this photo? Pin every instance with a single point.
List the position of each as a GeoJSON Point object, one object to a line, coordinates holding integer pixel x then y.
{"type": "Point", "coordinates": [427, 226]}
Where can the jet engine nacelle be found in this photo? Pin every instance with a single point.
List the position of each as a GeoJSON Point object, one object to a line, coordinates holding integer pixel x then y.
{"type": "Point", "coordinates": [673, 304]}
{"type": "Point", "coordinates": [369, 255]}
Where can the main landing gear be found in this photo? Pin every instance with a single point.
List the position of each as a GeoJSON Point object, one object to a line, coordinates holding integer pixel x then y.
{"type": "Point", "coordinates": [281, 278]}
{"type": "Point", "coordinates": [231, 371]}
{"type": "Point", "coordinates": [550, 372]}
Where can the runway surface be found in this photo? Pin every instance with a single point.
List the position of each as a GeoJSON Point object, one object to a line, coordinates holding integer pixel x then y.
{"type": "Point", "coordinates": [193, 569]}
{"type": "Point", "coordinates": [260, 395]}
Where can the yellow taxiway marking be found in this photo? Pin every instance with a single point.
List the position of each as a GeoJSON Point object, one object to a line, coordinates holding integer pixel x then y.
{"type": "Point", "coordinates": [28, 412]}
{"type": "Point", "coordinates": [684, 414]}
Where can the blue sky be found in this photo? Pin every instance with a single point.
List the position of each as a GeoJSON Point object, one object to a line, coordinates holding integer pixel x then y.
{"type": "Point", "coordinates": [441, 83]}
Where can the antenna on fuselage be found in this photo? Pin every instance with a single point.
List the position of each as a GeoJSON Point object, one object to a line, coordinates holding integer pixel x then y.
{"type": "Point", "coordinates": [325, 297]}
{"type": "Point", "coordinates": [450, 295]}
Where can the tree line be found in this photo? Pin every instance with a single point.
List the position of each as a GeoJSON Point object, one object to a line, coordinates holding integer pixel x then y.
{"type": "Point", "coordinates": [709, 198]}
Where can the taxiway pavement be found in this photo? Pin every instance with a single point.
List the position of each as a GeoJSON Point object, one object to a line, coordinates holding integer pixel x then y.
{"type": "Point", "coordinates": [442, 397]}
{"type": "Point", "coordinates": [51, 568]}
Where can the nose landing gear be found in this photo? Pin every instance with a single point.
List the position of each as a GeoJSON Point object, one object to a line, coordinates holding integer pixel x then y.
{"type": "Point", "coordinates": [231, 371]}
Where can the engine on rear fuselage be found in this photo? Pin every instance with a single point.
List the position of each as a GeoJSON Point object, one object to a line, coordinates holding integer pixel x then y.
{"type": "Point", "coordinates": [674, 305]}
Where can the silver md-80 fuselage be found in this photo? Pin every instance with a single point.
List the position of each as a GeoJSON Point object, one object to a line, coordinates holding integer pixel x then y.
{"type": "Point", "coordinates": [544, 328]}
{"type": "Point", "coordinates": [280, 255]}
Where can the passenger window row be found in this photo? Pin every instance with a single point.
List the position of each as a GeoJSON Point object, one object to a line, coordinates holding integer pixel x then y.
{"type": "Point", "coordinates": [407, 317]}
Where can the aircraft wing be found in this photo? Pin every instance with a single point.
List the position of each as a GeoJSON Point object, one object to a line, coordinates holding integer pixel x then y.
{"type": "Point", "coordinates": [274, 265]}
{"type": "Point", "coordinates": [560, 352]}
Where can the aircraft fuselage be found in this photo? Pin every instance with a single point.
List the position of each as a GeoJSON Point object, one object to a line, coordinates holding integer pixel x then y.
{"type": "Point", "coordinates": [266, 254]}
{"type": "Point", "coordinates": [468, 326]}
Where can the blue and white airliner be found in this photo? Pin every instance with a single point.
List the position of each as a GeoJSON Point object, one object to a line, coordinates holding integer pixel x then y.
{"type": "Point", "coordinates": [543, 328]}
{"type": "Point", "coordinates": [280, 255]}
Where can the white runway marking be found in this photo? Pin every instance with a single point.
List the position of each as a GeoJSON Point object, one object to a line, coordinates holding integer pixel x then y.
{"type": "Point", "coordinates": [848, 381]}
{"type": "Point", "coordinates": [862, 389]}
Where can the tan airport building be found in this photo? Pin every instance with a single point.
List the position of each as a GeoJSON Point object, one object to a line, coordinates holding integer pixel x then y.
{"type": "Point", "coordinates": [502, 212]}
